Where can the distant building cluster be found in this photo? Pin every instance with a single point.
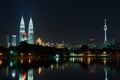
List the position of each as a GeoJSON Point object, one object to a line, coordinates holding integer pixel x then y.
{"type": "Point", "coordinates": [57, 45]}
{"type": "Point", "coordinates": [23, 35]}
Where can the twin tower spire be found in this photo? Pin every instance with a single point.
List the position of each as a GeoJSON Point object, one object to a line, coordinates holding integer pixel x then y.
{"type": "Point", "coordinates": [23, 35]}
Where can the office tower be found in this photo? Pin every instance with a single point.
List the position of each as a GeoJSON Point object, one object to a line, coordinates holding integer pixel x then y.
{"type": "Point", "coordinates": [30, 32]}
{"type": "Point", "coordinates": [105, 34]}
{"type": "Point", "coordinates": [7, 41]}
{"type": "Point", "coordinates": [13, 40]}
{"type": "Point", "coordinates": [22, 29]}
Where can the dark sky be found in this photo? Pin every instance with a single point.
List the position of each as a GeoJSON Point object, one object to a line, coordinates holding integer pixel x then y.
{"type": "Point", "coordinates": [62, 20]}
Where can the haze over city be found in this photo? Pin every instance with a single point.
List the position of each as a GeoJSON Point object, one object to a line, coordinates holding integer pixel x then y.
{"type": "Point", "coordinates": [62, 20]}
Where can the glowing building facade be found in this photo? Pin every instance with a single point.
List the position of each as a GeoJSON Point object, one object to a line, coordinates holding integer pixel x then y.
{"type": "Point", "coordinates": [30, 32]}
{"type": "Point", "coordinates": [23, 35]}
{"type": "Point", "coordinates": [39, 41]}
{"type": "Point", "coordinates": [22, 29]}
{"type": "Point", "coordinates": [13, 40]}
{"type": "Point", "coordinates": [7, 41]}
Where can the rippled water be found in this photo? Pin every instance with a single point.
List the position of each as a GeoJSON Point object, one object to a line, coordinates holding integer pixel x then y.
{"type": "Point", "coordinates": [60, 69]}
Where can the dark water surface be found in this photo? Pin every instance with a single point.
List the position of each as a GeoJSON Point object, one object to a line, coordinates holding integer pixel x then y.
{"type": "Point", "coordinates": [60, 69]}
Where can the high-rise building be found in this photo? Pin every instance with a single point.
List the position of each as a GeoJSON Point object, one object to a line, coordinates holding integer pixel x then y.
{"type": "Point", "coordinates": [23, 36]}
{"type": "Point", "coordinates": [30, 32]}
{"type": "Point", "coordinates": [22, 29]}
{"type": "Point", "coordinates": [13, 40]}
{"type": "Point", "coordinates": [7, 41]}
{"type": "Point", "coordinates": [105, 34]}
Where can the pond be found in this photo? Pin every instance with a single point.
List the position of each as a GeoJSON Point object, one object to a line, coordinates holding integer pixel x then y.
{"type": "Point", "coordinates": [74, 68]}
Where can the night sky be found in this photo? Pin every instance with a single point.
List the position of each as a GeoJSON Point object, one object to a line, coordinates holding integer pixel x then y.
{"type": "Point", "coordinates": [72, 21]}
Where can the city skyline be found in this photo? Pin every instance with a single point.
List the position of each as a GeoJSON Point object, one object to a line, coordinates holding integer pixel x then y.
{"type": "Point", "coordinates": [57, 21]}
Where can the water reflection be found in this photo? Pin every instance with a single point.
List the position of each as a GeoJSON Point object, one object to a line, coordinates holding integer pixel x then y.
{"type": "Point", "coordinates": [21, 61]}
{"type": "Point", "coordinates": [22, 76]}
{"type": "Point", "coordinates": [80, 68]}
{"type": "Point", "coordinates": [0, 62]}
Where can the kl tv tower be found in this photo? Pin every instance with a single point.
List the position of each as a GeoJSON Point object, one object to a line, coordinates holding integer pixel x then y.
{"type": "Point", "coordinates": [105, 30]}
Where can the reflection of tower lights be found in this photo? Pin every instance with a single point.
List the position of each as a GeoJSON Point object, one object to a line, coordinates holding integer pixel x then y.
{"type": "Point", "coordinates": [66, 65]}
{"type": "Point", "coordinates": [71, 59]}
{"type": "Point", "coordinates": [11, 63]}
{"type": "Point", "coordinates": [63, 67]}
{"type": "Point", "coordinates": [29, 54]}
{"type": "Point", "coordinates": [92, 70]}
{"type": "Point", "coordinates": [13, 74]}
{"type": "Point", "coordinates": [57, 66]}
{"type": "Point", "coordinates": [1, 54]}
{"type": "Point", "coordinates": [21, 61]}
{"type": "Point", "coordinates": [29, 61]}
{"type": "Point", "coordinates": [30, 74]}
{"type": "Point", "coordinates": [24, 76]}
{"type": "Point", "coordinates": [88, 60]}
{"type": "Point", "coordinates": [7, 71]}
{"type": "Point", "coordinates": [104, 61]}
{"type": "Point", "coordinates": [52, 66]}
{"type": "Point", "coordinates": [21, 54]}
{"type": "Point", "coordinates": [57, 59]}
{"type": "Point", "coordinates": [106, 75]}
{"type": "Point", "coordinates": [81, 59]}
{"type": "Point", "coordinates": [39, 70]}
{"type": "Point", "coordinates": [106, 72]}
{"type": "Point", "coordinates": [0, 62]}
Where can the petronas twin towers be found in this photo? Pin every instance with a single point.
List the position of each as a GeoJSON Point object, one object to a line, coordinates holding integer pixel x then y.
{"type": "Point", "coordinates": [23, 35]}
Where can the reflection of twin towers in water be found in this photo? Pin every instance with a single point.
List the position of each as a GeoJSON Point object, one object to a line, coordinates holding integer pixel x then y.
{"type": "Point", "coordinates": [23, 35]}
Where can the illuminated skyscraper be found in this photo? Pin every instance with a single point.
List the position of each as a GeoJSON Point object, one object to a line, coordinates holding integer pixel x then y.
{"type": "Point", "coordinates": [22, 29]}
{"type": "Point", "coordinates": [13, 40]}
{"type": "Point", "coordinates": [30, 32]}
{"type": "Point", "coordinates": [105, 34]}
{"type": "Point", "coordinates": [7, 41]}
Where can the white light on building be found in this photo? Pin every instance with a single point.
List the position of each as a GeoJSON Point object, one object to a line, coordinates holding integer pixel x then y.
{"type": "Point", "coordinates": [13, 40]}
